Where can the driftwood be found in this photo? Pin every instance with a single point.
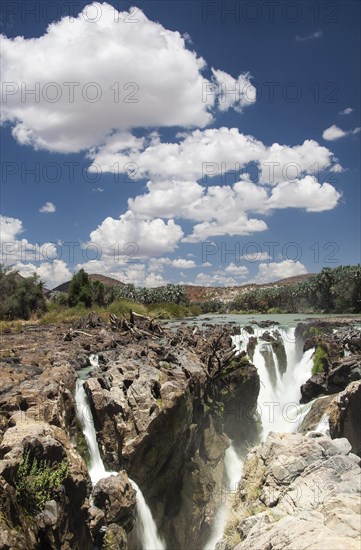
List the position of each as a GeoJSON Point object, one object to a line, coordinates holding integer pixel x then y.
{"type": "Point", "coordinates": [72, 333]}
{"type": "Point", "coordinates": [149, 327]}
{"type": "Point", "coordinates": [219, 358]}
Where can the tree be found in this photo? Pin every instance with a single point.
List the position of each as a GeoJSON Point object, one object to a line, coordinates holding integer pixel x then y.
{"type": "Point", "coordinates": [20, 297]}
{"type": "Point", "coordinates": [80, 290]}
{"type": "Point", "coordinates": [99, 293]}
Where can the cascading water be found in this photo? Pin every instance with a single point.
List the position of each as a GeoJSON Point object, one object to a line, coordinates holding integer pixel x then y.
{"type": "Point", "coordinates": [323, 426]}
{"type": "Point", "coordinates": [148, 534]}
{"type": "Point", "coordinates": [233, 466]}
{"type": "Point", "coordinates": [97, 469]}
{"type": "Point", "coordinates": [145, 526]}
{"type": "Point", "coordinates": [278, 401]}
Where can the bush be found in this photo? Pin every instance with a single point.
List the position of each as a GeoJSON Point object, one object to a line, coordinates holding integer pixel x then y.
{"type": "Point", "coordinates": [21, 297]}
{"type": "Point", "coordinates": [80, 290]}
{"type": "Point", "coordinates": [36, 482]}
{"type": "Point", "coordinates": [319, 359]}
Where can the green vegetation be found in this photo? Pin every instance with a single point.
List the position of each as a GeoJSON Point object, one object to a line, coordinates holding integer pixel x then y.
{"type": "Point", "coordinates": [21, 297]}
{"type": "Point", "coordinates": [319, 359]}
{"type": "Point", "coordinates": [80, 290]}
{"type": "Point", "coordinates": [330, 291]}
{"type": "Point", "coordinates": [335, 290]}
{"type": "Point", "coordinates": [36, 482]}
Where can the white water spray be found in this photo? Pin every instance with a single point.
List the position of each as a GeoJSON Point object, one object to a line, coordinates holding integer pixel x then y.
{"type": "Point", "coordinates": [145, 526]}
{"type": "Point", "coordinates": [323, 426]}
{"type": "Point", "coordinates": [233, 466]}
{"type": "Point", "coordinates": [148, 531]}
{"type": "Point", "coordinates": [278, 403]}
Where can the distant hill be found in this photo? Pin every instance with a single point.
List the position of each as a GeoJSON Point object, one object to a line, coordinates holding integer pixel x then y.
{"type": "Point", "coordinates": [228, 293]}
{"type": "Point", "coordinates": [109, 281]}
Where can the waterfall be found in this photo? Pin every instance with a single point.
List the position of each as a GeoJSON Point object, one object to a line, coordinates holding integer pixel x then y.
{"type": "Point", "coordinates": [233, 466]}
{"type": "Point", "coordinates": [97, 469]}
{"type": "Point", "coordinates": [148, 531]}
{"type": "Point", "coordinates": [278, 403]}
{"type": "Point", "coordinates": [145, 525]}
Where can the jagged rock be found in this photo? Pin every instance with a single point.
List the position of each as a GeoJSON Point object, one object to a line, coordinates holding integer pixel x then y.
{"type": "Point", "coordinates": [116, 497]}
{"type": "Point", "coordinates": [343, 372]}
{"type": "Point", "coordinates": [251, 346]}
{"type": "Point", "coordinates": [62, 523]}
{"type": "Point", "coordinates": [160, 401]}
{"type": "Point", "coordinates": [115, 538]}
{"type": "Point", "coordinates": [344, 416]}
{"type": "Point", "coordinates": [319, 407]}
{"type": "Point", "coordinates": [297, 492]}
{"type": "Point", "coordinates": [92, 320]}
{"type": "Point", "coordinates": [96, 521]}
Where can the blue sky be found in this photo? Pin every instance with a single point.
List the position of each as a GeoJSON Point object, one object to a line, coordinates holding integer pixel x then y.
{"type": "Point", "coordinates": [233, 129]}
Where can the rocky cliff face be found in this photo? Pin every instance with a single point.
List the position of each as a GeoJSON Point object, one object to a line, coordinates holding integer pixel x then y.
{"type": "Point", "coordinates": [299, 492]}
{"type": "Point", "coordinates": [163, 404]}
{"type": "Point", "coordinates": [341, 361]}
{"type": "Point", "coordinates": [163, 410]}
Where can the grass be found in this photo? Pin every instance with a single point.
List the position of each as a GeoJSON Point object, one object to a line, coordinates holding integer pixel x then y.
{"type": "Point", "coordinates": [57, 313]}
{"type": "Point", "coordinates": [11, 326]}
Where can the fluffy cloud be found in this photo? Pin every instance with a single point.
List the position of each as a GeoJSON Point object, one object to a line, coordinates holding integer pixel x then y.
{"type": "Point", "coordinates": [273, 271]}
{"type": "Point", "coordinates": [215, 279]}
{"type": "Point", "coordinates": [183, 264]}
{"type": "Point", "coordinates": [138, 274]}
{"type": "Point", "coordinates": [346, 111]}
{"type": "Point", "coordinates": [10, 228]}
{"type": "Point", "coordinates": [51, 273]}
{"type": "Point", "coordinates": [158, 264]}
{"type": "Point", "coordinates": [236, 270]}
{"type": "Point", "coordinates": [121, 76]}
{"type": "Point", "coordinates": [225, 210]}
{"type": "Point", "coordinates": [234, 93]}
{"type": "Point", "coordinates": [204, 154]}
{"type": "Point", "coordinates": [146, 237]}
{"type": "Point", "coordinates": [334, 132]}
{"type": "Point", "coordinates": [47, 208]}
{"type": "Point", "coordinates": [14, 249]}
{"type": "Point", "coordinates": [307, 193]}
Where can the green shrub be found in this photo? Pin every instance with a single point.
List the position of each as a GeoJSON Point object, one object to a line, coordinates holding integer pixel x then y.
{"type": "Point", "coordinates": [318, 360]}
{"type": "Point", "coordinates": [21, 297]}
{"type": "Point", "coordinates": [36, 482]}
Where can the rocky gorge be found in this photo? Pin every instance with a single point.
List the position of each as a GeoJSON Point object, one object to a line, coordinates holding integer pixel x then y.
{"type": "Point", "coordinates": [166, 404]}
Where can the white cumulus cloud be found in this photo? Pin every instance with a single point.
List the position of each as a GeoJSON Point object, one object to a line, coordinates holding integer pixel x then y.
{"type": "Point", "coordinates": [273, 271]}
{"type": "Point", "coordinates": [346, 111]}
{"type": "Point", "coordinates": [147, 237]}
{"type": "Point", "coordinates": [94, 78]}
{"type": "Point", "coordinates": [51, 273]}
{"type": "Point", "coordinates": [47, 208]}
{"type": "Point", "coordinates": [334, 132]}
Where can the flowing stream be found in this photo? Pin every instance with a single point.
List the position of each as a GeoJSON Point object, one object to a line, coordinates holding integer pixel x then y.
{"type": "Point", "coordinates": [278, 401]}
{"type": "Point", "coordinates": [145, 525]}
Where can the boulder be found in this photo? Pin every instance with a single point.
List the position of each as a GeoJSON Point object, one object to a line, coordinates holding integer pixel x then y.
{"type": "Point", "coordinates": [63, 520]}
{"type": "Point", "coordinates": [297, 491]}
{"type": "Point", "coordinates": [116, 497]}
{"type": "Point", "coordinates": [344, 416]}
